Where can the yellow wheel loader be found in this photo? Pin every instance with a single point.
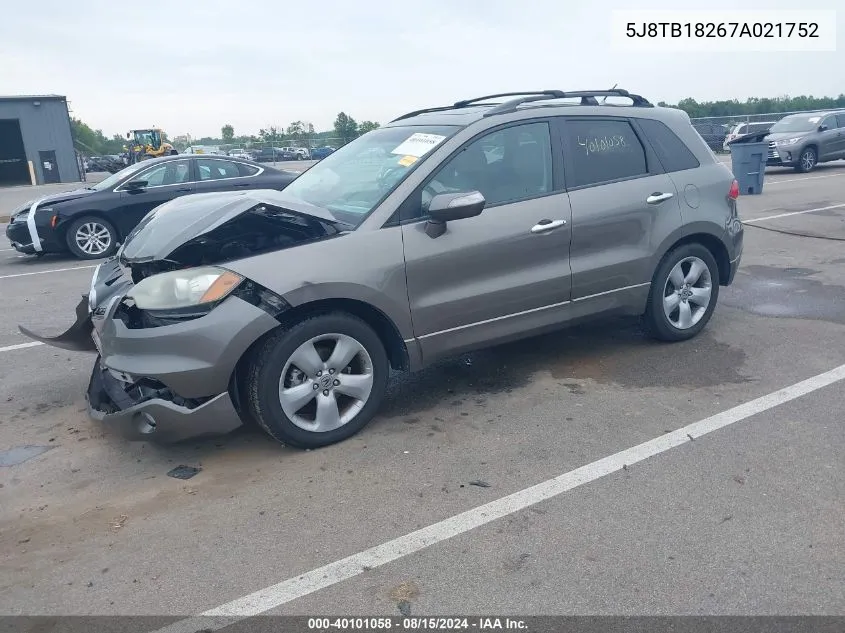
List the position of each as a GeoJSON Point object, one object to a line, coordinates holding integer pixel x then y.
{"type": "Point", "coordinates": [149, 143]}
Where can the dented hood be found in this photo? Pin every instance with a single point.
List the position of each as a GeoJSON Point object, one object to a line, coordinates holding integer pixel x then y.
{"type": "Point", "coordinates": [177, 223]}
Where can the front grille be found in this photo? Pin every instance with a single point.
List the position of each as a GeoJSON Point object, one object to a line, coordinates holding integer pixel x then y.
{"type": "Point", "coordinates": [773, 154]}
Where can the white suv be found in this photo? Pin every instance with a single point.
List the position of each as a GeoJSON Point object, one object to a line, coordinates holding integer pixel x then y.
{"type": "Point", "coordinates": [300, 152]}
{"type": "Point", "coordinates": [741, 129]}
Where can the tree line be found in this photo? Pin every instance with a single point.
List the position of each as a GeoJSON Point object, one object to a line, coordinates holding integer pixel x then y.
{"type": "Point", "coordinates": [94, 142]}
{"type": "Point", "coordinates": [297, 133]}
{"type": "Point", "coordinates": [756, 105]}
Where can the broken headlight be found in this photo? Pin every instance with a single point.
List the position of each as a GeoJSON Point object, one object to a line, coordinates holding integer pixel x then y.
{"type": "Point", "coordinates": [184, 288]}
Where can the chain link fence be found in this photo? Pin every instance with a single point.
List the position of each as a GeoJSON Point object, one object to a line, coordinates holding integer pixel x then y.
{"type": "Point", "coordinates": [718, 130]}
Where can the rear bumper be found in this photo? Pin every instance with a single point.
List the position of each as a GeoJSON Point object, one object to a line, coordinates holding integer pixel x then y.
{"type": "Point", "coordinates": [157, 419]}
{"type": "Point", "coordinates": [733, 268]}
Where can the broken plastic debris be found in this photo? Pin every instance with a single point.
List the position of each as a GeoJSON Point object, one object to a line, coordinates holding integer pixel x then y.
{"type": "Point", "coordinates": [479, 483]}
{"type": "Point", "coordinates": [119, 522]}
{"type": "Point", "coordinates": [183, 472]}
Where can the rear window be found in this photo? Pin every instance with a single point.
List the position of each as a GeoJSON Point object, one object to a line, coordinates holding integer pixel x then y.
{"type": "Point", "coordinates": [603, 151]}
{"type": "Point", "coordinates": [671, 151]}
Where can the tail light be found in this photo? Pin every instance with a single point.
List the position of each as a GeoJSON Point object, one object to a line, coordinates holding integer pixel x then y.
{"type": "Point", "coordinates": [733, 194]}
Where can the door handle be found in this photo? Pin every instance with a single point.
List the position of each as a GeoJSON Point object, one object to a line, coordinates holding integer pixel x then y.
{"type": "Point", "coordinates": [242, 184]}
{"type": "Point", "coordinates": [184, 190]}
{"type": "Point", "coordinates": [547, 225]}
{"type": "Point", "coordinates": [657, 198]}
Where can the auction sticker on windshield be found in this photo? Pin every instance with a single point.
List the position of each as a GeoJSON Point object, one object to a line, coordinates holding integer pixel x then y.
{"type": "Point", "coordinates": [418, 144]}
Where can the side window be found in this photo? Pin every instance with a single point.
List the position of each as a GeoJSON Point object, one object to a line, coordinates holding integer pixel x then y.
{"type": "Point", "coordinates": [170, 173]}
{"type": "Point", "coordinates": [601, 151]}
{"type": "Point", "coordinates": [670, 150]}
{"type": "Point", "coordinates": [506, 165]}
{"type": "Point", "coordinates": [247, 170]}
{"type": "Point", "coordinates": [216, 169]}
{"type": "Point", "coordinates": [830, 122]}
{"type": "Point", "coordinates": [840, 120]}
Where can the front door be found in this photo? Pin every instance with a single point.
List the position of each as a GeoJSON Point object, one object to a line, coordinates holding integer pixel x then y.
{"type": "Point", "coordinates": [219, 174]}
{"type": "Point", "coordinates": [829, 139]}
{"type": "Point", "coordinates": [839, 148]}
{"type": "Point", "coordinates": [504, 272]}
{"type": "Point", "coordinates": [623, 206]}
{"type": "Point", "coordinates": [165, 181]}
{"type": "Point", "coordinates": [49, 167]}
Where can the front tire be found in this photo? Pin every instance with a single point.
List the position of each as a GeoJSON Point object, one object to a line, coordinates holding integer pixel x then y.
{"type": "Point", "coordinates": [91, 237]}
{"type": "Point", "coordinates": [683, 294]}
{"type": "Point", "coordinates": [807, 161]}
{"type": "Point", "coordinates": [318, 382]}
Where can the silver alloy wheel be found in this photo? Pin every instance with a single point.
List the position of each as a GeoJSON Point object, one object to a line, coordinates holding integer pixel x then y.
{"type": "Point", "coordinates": [326, 382]}
{"type": "Point", "coordinates": [808, 160]}
{"type": "Point", "coordinates": [93, 238]}
{"type": "Point", "coordinates": [686, 294]}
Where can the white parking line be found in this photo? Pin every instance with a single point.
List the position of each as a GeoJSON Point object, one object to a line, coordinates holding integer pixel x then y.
{"type": "Point", "coordinates": [10, 348]}
{"type": "Point", "coordinates": [784, 215]}
{"type": "Point", "coordinates": [351, 566]}
{"type": "Point", "coordinates": [44, 272]}
{"type": "Point", "coordinates": [780, 182]}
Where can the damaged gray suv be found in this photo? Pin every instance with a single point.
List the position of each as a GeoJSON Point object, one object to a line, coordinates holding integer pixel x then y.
{"type": "Point", "coordinates": [448, 229]}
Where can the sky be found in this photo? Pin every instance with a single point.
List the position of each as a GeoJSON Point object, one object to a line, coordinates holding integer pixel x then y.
{"type": "Point", "coordinates": [190, 67]}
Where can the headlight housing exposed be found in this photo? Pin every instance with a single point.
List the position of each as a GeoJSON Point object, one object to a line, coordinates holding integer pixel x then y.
{"type": "Point", "coordinates": [184, 288]}
{"type": "Point", "coordinates": [789, 141]}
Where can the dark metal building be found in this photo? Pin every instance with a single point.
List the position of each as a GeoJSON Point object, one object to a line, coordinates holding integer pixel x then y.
{"type": "Point", "coordinates": [36, 141]}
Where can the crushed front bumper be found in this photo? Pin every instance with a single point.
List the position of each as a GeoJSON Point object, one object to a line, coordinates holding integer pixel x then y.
{"type": "Point", "coordinates": [165, 383]}
{"type": "Point", "coordinates": [156, 419]}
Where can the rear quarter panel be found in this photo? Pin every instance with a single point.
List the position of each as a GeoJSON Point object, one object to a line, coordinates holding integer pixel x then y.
{"type": "Point", "coordinates": [703, 194]}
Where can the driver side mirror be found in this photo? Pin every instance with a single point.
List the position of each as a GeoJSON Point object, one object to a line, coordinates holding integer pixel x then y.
{"type": "Point", "coordinates": [448, 207]}
{"type": "Point", "coordinates": [135, 185]}
{"type": "Point", "coordinates": [822, 127]}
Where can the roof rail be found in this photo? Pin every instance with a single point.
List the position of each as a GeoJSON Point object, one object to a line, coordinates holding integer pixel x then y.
{"type": "Point", "coordinates": [468, 102]}
{"type": "Point", "coordinates": [588, 97]}
{"type": "Point", "coordinates": [539, 93]}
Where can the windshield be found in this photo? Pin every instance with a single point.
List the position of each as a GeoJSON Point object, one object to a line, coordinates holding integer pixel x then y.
{"type": "Point", "coordinates": [112, 180]}
{"type": "Point", "coordinates": [351, 181]}
{"type": "Point", "coordinates": [797, 123]}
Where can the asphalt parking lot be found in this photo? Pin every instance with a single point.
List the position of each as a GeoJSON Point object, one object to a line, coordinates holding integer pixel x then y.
{"type": "Point", "coordinates": [725, 495]}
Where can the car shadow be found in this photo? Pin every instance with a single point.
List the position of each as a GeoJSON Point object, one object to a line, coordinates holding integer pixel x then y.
{"type": "Point", "coordinates": [612, 352]}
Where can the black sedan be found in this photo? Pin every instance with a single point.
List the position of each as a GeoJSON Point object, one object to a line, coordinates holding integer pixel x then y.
{"type": "Point", "coordinates": [91, 222]}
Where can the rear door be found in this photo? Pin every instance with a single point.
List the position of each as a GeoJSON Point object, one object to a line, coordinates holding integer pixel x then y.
{"type": "Point", "coordinates": [220, 174]}
{"type": "Point", "coordinates": [506, 271]}
{"type": "Point", "coordinates": [623, 206]}
{"type": "Point", "coordinates": [165, 181]}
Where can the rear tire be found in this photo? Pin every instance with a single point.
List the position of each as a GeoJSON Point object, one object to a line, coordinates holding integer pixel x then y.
{"type": "Point", "coordinates": [683, 294]}
{"type": "Point", "coordinates": [91, 237]}
{"type": "Point", "coordinates": [318, 382]}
